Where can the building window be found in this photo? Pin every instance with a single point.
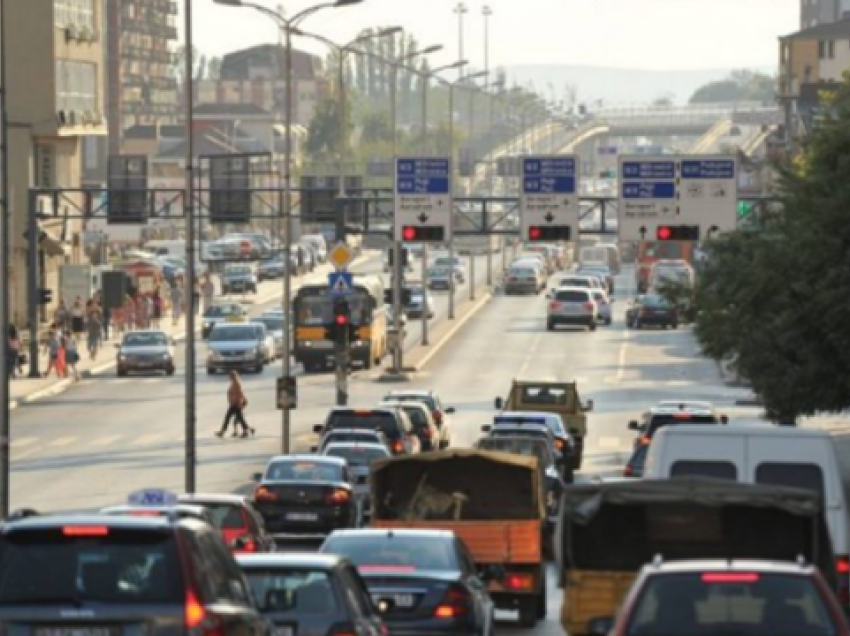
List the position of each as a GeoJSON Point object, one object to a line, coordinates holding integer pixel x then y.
{"type": "Point", "coordinates": [79, 13]}
{"type": "Point", "coordinates": [821, 49]}
{"type": "Point", "coordinates": [76, 85]}
{"type": "Point", "coordinates": [830, 49]}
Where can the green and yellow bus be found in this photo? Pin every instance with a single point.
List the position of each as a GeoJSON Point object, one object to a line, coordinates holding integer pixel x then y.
{"type": "Point", "coordinates": [313, 309]}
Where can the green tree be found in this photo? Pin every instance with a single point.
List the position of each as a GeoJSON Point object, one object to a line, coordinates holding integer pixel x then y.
{"type": "Point", "coordinates": [778, 298]}
{"type": "Point", "coordinates": [377, 127]}
{"type": "Point", "coordinates": [741, 85]}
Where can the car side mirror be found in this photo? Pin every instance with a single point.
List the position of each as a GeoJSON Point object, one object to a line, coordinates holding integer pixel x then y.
{"type": "Point", "coordinates": [486, 428]}
{"type": "Point", "coordinates": [634, 426]}
{"type": "Point", "coordinates": [257, 477]}
{"type": "Point", "coordinates": [450, 409]}
{"type": "Point", "coordinates": [499, 403]}
{"type": "Point", "coordinates": [318, 428]}
{"type": "Point", "coordinates": [600, 625]}
{"type": "Point", "coordinates": [588, 406]}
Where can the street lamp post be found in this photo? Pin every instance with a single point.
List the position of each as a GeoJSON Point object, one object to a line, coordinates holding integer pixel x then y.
{"type": "Point", "coordinates": [288, 25]}
{"type": "Point", "coordinates": [487, 12]}
{"type": "Point", "coordinates": [460, 10]}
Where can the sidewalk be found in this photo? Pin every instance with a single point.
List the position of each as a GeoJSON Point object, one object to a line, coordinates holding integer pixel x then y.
{"type": "Point", "coordinates": [25, 389]}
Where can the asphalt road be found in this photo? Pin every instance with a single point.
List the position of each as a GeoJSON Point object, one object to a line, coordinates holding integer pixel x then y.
{"type": "Point", "coordinates": [108, 436]}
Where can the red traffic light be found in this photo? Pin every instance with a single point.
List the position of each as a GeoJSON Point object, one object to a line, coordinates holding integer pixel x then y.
{"type": "Point", "coordinates": [341, 320]}
{"type": "Point", "coordinates": [408, 233]}
{"type": "Point", "coordinates": [664, 233]}
{"type": "Point", "coordinates": [677, 233]}
{"type": "Point", "coordinates": [423, 233]}
{"type": "Point", "coordinates": [534, 233]}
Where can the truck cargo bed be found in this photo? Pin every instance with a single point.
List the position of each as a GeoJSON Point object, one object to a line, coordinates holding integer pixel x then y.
{"type": "Point", "coordinates": [489, 541]}
{"type": "Point", "coordinates": [589, 595]}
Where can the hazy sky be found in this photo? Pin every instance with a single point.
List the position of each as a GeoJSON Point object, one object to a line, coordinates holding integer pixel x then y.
{"type": "Point", "coordinates": [649, 34]}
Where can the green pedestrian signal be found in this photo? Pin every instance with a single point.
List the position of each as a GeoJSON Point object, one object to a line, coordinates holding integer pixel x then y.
{"type": "Point", "coordinates": [745, 208]}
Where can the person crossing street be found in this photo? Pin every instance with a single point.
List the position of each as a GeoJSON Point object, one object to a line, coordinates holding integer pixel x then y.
{"type": "Point", "coordinates": [236, 404]}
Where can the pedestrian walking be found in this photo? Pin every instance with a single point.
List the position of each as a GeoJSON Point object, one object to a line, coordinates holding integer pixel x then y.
{"type": "Point", "coordinates": [51, 347]}
{"type": "Point", "coordinates": [61, 316]}
{"type": "Point", "coordinates": [94, 333]}
{"type": "Point", "coordinates": [78, 317]}
{"type": "Point", "coordinates": [13, 349]}
{"type": "Point", "coordinates": [157, 308]}
{"type": "Point", "coordinates": [61, 356]}
{"type": "Point", "coordinates": [236, 405]}
{"type": "Point", "coordinates": [176, 302]}
{"type": "Point", "coordinates": [72, 354]}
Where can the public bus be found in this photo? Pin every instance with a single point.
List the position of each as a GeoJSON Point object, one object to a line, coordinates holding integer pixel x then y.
{"type": "Point", "coordinates": [313, 310]}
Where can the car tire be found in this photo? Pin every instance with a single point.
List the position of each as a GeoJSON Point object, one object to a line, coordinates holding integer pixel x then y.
{"type": "Point", "coordinates": [674, 325]}
{"type": "Point", "coordinates": [527, 611]}
{"type": "Point", "coordinates": [592, 326]}
{"type": "Point", "coordinates": [542, 610]}
{"type": "Point", "coordinates": [121, 373]}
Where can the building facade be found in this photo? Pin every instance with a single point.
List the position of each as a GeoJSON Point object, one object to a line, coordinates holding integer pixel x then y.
{"type": "Point", "coordinates": [140, 43]}
{"type": "Point", "coordinates": [56, 80]}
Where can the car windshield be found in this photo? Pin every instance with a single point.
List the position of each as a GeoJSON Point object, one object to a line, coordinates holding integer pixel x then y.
{"type": "Point", "coordinates": [438, 272]}
{"type": "Point", "coordinates": [106, 565]}
{"type": "Point", "coordinates": [233, 333]}
{"type": "Point", "coordinates": [522, 273]}
{"type": "Point", "coordinates": [357, 455]}
{"type": "Point", "coordinates": [369, 437]}
{"type": "Point", "coordinates": [376, 552]}
{"type": "Point", "coordinates": [141, 339]}
{"type": "Point", "coordinates": [730, 602]}
{"type": "Point", "coordinates": [271, 323]}
{"type": "Point", "coordinates": [655, 301]}
{"type": "Point", "coordinates": [237, 271]}
{"type": "Point", "coordinates": [574, 282]}
{"type": "Point", "coordinates": [374, 420]}
{"type": "Point", "coordinates": [304, 471]}
{"type": "Point", "coordinates": [300, 592]}
{"type": "Point", "coordinates": [217, 311]}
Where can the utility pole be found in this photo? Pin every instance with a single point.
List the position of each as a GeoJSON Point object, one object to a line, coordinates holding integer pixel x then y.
{"type": "Point", "coordinates": [5, 212]}
{"type": "Point", "coordinates": [487, 12]}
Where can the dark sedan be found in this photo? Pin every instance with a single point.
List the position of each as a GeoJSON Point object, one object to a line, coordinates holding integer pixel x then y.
{"type": "Point", "coordinates": [311, 595]}
{"type": "Point", "coordinates": [652, 310]}
{"type": "Point", "coordinates": [423, 581]}
{"type": "Point", "coordinates": [305, 494]}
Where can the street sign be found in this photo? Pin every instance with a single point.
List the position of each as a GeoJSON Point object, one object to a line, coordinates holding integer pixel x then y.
{"type": "Point", "coordinates": [341, 256]}
{"type": "Point", "coordinates": [340, 284]}
{"type": "Point", "coordinates": [287, 393]}
{"type": "Point", "coordinates": [423, 200]}
{"type": "Point", "coordinates": [690, 195]}
{"type": "Point", "coordinates": [549, 208]}
{"type": "Point", "coordinates": [152, 497]}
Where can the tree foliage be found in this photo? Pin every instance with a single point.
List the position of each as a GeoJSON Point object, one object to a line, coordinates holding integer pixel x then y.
{"type": "Point", "coordinates": [779, 298]}
{"type": "Point", "coordinates": [741, 85]}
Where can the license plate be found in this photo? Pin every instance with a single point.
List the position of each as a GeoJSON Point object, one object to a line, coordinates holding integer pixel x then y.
{"type": "Point", "coordinates": [283, 631]}
{"type": "Point", "coordinates": [76, 631]}
{"type": "Point", "coordinates": [302, 516]}
{"type": "Point", "coordinates": [399, 600]}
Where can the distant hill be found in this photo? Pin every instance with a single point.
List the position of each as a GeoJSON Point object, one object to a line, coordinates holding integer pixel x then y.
{"type": "Point", "coordinates": [616, 86]}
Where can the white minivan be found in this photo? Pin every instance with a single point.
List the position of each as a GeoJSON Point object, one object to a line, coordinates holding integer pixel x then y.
{"type": "Point", "coordinates": [761, 454]}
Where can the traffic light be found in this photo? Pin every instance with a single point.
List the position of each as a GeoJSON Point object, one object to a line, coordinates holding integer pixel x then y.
{"type": "Point", "coordinates": [677, 233]}
{"type": "Point", "coordinates": [45, 296]}
{"type": "Point", "coordinates": [549, 233]}
{"type": "Point", "coordinates": [744, 209]}
{"type": "Point", "coordinates": [423, 234]}
{"type": "Point", "coordinates": [340, 325]}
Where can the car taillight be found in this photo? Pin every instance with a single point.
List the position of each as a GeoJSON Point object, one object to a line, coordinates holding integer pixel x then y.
{"type": "Point", "coordinates": [588, 305]}
{"type": "Point", "coordinates": [456, 602]}
{"type": "Point", "coordinates": [554, 305]}
{"type": "Point", "coordinates": [398, 447]}
{"type": "Point", "coordinates": [730, 577]}
{"type": "Point", "coordinates": [427, 433]}
{"type": "Point", "coordinates": [519, 581]}
{"type": "Point", "coordinates": [338, 497]}
{"type": "Point", "coordinates": [645, 440]}
{"type": "Point", "coordinates": [842, 569]}
{"type": "Point", "coordinates": [342, 629]}
{"type": "Point", "coordinates": [85, 531]}
{"type": "Point", "coordinates": [199, 622]}
{"type": "Point", "coordinates": [249, 546]}
{"type": "Point", "coordinates": [264, 494]}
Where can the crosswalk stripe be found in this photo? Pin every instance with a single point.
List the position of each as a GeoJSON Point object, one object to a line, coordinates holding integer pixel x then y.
{"type": "Point", "coordinates": [23, 441]}
{"type": "Point", "coordinates": [63, 441]}
{"type": "Point", "coordinates": [104, 441]}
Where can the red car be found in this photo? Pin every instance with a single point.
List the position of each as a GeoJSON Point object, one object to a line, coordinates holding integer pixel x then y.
{"type": "Point", "coordinates": [707, 598]}
{"type": "Point", "coordinates": [240, 524]}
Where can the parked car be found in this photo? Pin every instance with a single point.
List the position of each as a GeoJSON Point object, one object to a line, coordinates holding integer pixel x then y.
{"type": "Point", "coordinates": [145, 352]}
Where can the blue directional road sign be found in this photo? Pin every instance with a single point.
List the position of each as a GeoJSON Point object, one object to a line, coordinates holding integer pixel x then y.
{"type": "Point", "coordinates": [340, 284]}
{"type": "Point", "coordinates": [423, 195]}
{"type": "Point", "coordinates": [694, 191]}
{"type": "Point", "coordinates": [548, 194]}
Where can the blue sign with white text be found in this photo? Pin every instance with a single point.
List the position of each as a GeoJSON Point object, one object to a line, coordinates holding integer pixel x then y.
{"type": "Point", "coordinates": [548, 175]}
{"type": "Point", "coordinates": [548, 185]}
{"type": "Point", "coordinates": [422, 176]}
{"type": "Point", "coordinates": [649, 170]}
{"type": "Point", "coordinates": [649, 190]}
{"type": "Point", "coordinates": [708, 169]}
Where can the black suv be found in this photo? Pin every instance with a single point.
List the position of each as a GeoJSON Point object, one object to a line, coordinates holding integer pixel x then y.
{"type": "Point", "coordinates": [392, 421]}
{"type": "Point", "coordinates": [98, 575]}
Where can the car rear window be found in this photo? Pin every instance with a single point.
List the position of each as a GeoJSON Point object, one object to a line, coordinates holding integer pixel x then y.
{"type": "Point", "coordinates": [417, 417]}
{"type": "Point", "coordinates": [569, 296]}
{"type": "Point", "coordinates": [62, 564]}
{"type": "Point", "coordinates": [293, 591]}
{"type": "Point", "coordinates": [358, 456]}
{"type": "Point", "coordinates": [574, 282]}
{"type": "Point", "coordinates": [660, 421]}
{"type": "Point", "coordinates": [369, 420]}
{"type": "Point", "coordinates": [378, 552]}
{"type": "Point", "coordinates": [808, 476]}
{"type": "Point", "coordinates": [224, 515]}
{"type": "Point", "coordinates": [304, 471]}
{"type": "Point", "coordinates": [365, 436]}
{"type": "Point", "coordinates": [712, 603]}
{"type": "Point", "coordinates": [716, 470]}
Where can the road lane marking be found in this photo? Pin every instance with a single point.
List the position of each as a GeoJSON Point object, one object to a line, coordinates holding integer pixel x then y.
{"type": "Point", "coordinates": [63, 441]}
{"type": "Point", "coordinates": [146, 439]}
{"type": "Point", "coordinates": [532, 354]}
{"type": "Point", "coordinates": [104, 441]}
{"type": "Point", "coordinates": [23, 441]}
{"type": "Point", "coordinates": [621, 361]}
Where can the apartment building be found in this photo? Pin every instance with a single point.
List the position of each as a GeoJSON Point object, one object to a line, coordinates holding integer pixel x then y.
{"type": "Point", "coordinates": [816, 12]}
{"type": "Point", "coordinates": [142, 88]}
{"type": "Point", "coordinates": [56, 96]}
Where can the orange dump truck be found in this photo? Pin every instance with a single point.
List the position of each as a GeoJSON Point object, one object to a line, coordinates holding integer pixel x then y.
{"type": "Point", "coordinates": [495, 502]}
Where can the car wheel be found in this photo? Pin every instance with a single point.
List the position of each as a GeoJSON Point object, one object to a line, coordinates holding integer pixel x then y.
{"type": "Point", "coordinates": [122, 373]}
{"type": "Point", "coordinates": [550, 325]}
{"type": "Point", "coordinates": [528, 611]}
{"type": "Point", "coordinates": [592, 326]}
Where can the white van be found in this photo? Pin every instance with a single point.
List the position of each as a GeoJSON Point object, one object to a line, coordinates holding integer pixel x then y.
{"type": "Point", "coordinates": [604, 253]}
{"type": "Point", "coordinates": [785, 456]}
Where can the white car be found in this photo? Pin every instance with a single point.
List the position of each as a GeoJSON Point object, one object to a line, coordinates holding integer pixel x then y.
{"type": "Point", "coordinates": [572, 306]}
